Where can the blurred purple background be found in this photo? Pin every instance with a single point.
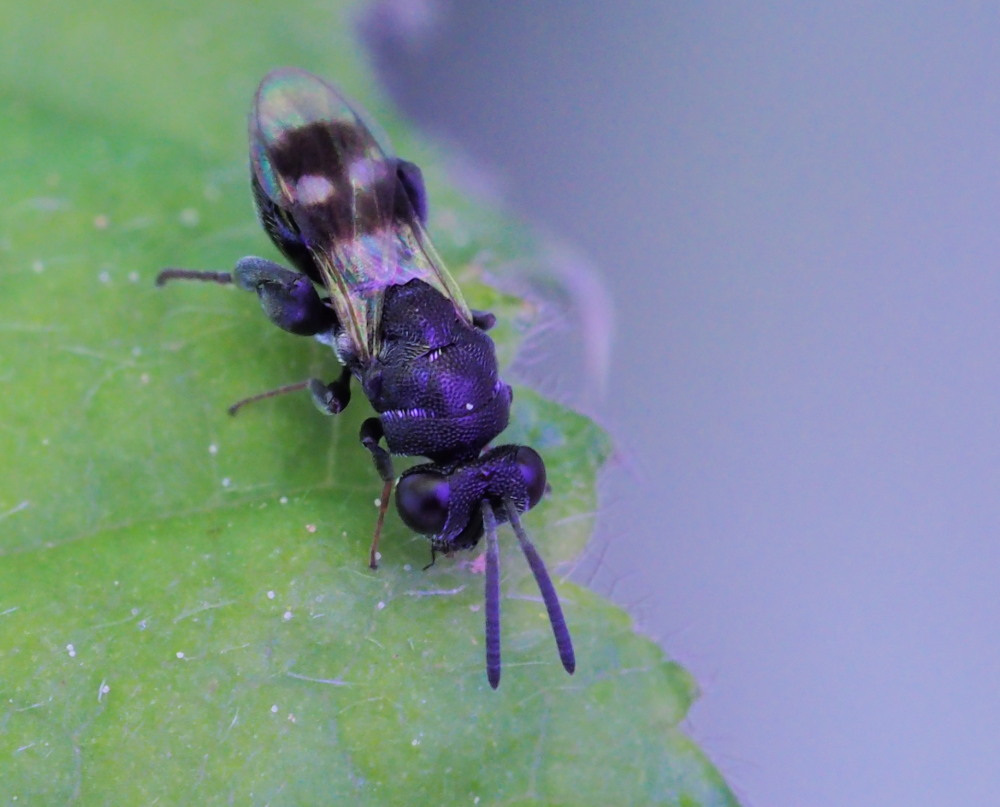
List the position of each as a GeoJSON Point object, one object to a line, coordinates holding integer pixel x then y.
{"type": "Point", "coordinates": [795, 207]}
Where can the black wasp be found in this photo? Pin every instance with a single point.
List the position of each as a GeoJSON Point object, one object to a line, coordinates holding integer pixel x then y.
{"type": "Point", "coordinates": [350, 218]}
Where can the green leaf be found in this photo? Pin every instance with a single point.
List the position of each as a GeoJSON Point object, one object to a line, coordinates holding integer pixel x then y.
{"type": "Point", "coordinates": [186, 612]}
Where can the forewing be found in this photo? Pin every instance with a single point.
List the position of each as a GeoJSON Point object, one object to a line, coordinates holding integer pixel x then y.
{"type": "Point", "coordinates": [336, 184]}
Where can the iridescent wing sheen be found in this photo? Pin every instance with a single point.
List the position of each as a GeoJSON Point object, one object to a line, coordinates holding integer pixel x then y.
{"type": "Point", "coordinates": [336, 185]}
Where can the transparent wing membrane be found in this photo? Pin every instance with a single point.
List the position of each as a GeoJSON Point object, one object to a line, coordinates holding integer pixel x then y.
{"type": "Point", "coordinates": [339, 188]}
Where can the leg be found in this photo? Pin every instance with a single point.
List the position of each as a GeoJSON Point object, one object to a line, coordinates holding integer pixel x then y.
{"type": "Point", "coordinates": [222, 278]}
{"type": "Point", "coordinates": [484, 320]}
{"type": "Point", "coordinates": [371, 433]}
{"type": "Point", "coordinates": [412, 180]}
{"type": "Point", "coordinates": [288, 298]}
{"type": "Point", "coordinates": [332, 398]}
{"type": "Point", "coordinates": [271, 393]}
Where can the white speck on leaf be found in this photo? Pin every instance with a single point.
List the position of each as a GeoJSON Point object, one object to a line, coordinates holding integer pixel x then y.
{"type": "Point", "coordinates": [270, 595]}
{"type": "Point", "coordinates": [189, 217]}
{"type": "Point", "coordinates": [71, 650]}
{"type": "Point", "coordinates": [287, 616]}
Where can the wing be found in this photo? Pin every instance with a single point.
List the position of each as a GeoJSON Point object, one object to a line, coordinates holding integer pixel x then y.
{"type": "Point", "coordinates": [339, 189]}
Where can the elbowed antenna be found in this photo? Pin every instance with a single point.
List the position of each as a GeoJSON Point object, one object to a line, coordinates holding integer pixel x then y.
{"type": "Point", "coordinates": [563, 640]}
{"type": "Point", "coordinates": [492, 596]}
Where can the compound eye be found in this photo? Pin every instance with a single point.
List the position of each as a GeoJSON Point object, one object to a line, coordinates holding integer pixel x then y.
{"type": "Point", "coordinates": [422, 501]}
{"type": "Point", "coordinates": [532, 469]}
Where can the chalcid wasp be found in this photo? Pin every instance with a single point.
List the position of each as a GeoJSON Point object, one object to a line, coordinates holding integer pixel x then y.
{"type": "Point", "coordinates": [350, 219]}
